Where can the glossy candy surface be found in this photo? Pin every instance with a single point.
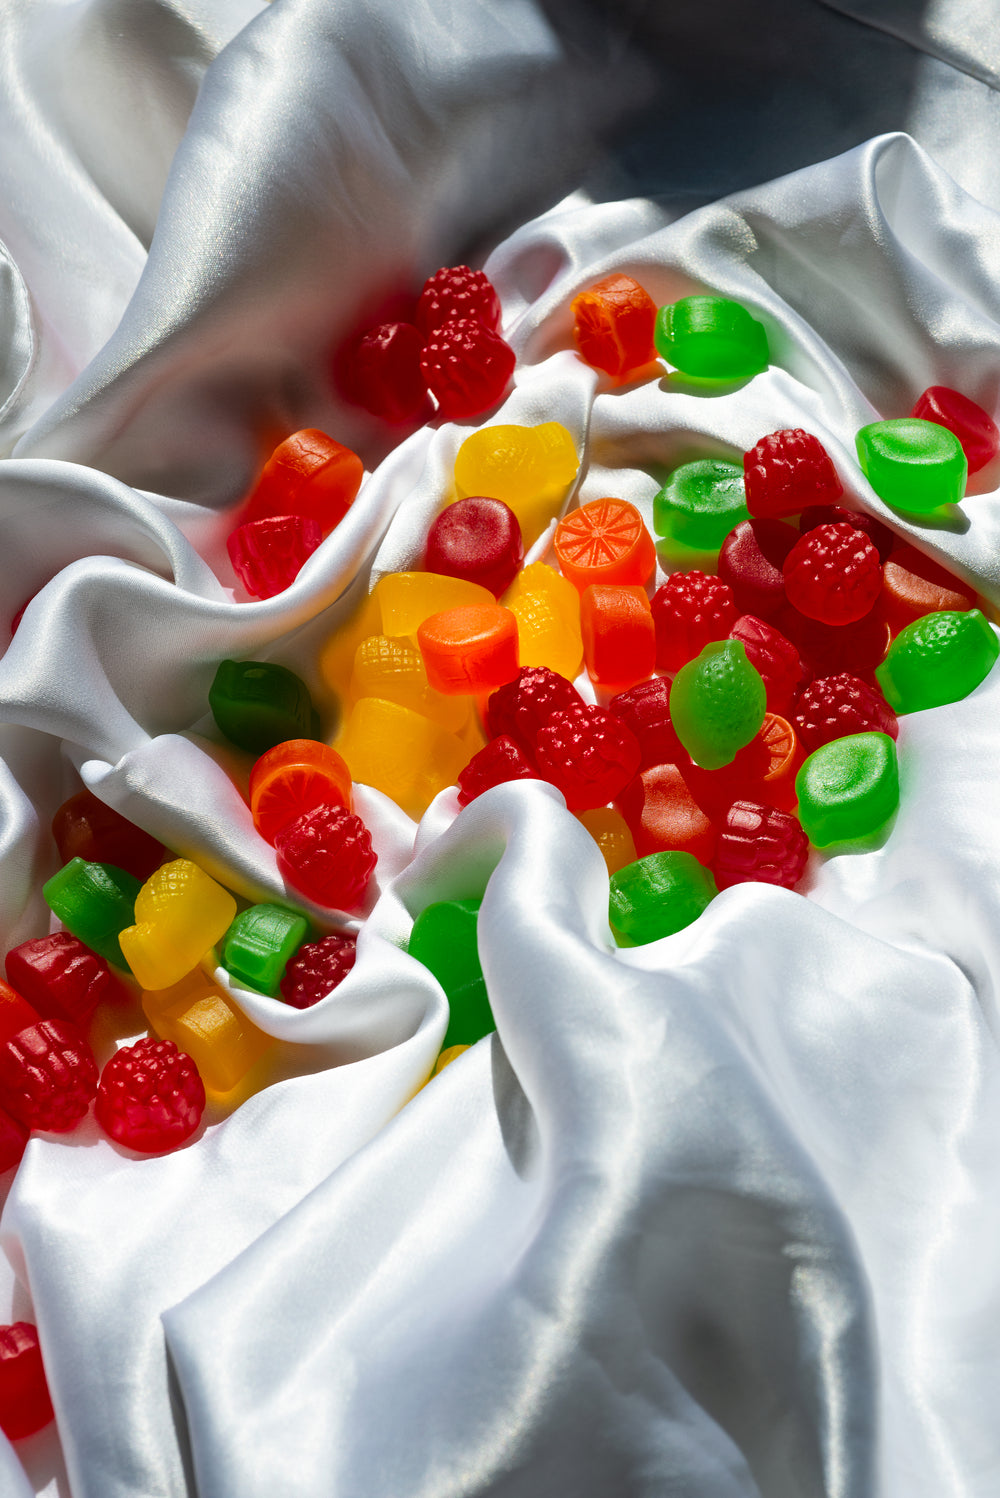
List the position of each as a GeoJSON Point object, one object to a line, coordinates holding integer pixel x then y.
{"type": "Point", "coordinates": [96, 901]}
{"type": "Point", "coordinates": [443, 938]}
{"type": "Point", "coordinates": [457, 291]}
{"type": "Point", "coordinates": [760, 844]}
{"type": "Point", "coordinates": [689, 611]}
{"type": "Point", "coordinates": [975, 428]}
{"type": "Point", "coordinates": [848, 789]}
{"type": "Point", "coordinates": [833, 574]}
{"type": "Point", "coordinates": [657, 896]}
{"type": "Point", "coordinates": [86, 827]}
{"type": "Point", "coordinates": [751, 560]}
{"type": "Point", "coordinates": [292, 778]}
{"type": "Point", "coordinates": [59, 976]}
{"type": "Point", "coordinates": [25, 1405]}
{"type": "Point", "coordinates": [613, 324]}
{"type": "Point", "coordinates": [497, 762]}
{"type": "Point", "coordinates": [711, 338]}
{"type": "Point", "coordinates": [258, 704]}
{"type": "Point", "coordinates": [588, 754]}
{"type": "Point", "coordinates": [939, 658]}
{"type": "Point", "coordinates": [700, 503]}
{"type": "Point", "coordinates": [478, 539]}
{"type": "Point", "coordinates": [259, 944]}
{"type": "Point", "coordinates": [150, 1096]}
{"type": "Point", "coordinates": [547, 609]}
{"type": "Point", "coordinates": [180, 913]}
{"type": "Point", "coordinates": [469, 650]}
{"type": "Point", "coordinates": [605, 541]}
{"type": "Point", "coordinates": [267, 555]}
{"type": "Point", "coordinates": [204, 1023]}
{"type": "Point", "coordinates": [916, 466]}
{"type": "Point", "coordinates": [717, 703]}
{"type": "Point", "coordinates": [317, 968]}
{"type": "Point", "coordinates": [529, 468]}
{"type": "Point", "coordinates": [400, 752]}
{"type": "Point", "coordinates": [788, 471]}
{"type": "Point", "coordinates": [48, 1075]}
{"type": "Point", "coordinates": [467, 367]}
{"type": "Point", "coordinates": [384, 374]}
{"type": "Point", "coordinates": [308, 474]}
{"type": "Point", "coordinates": [619, 636]}
{"type": "Point", "coordinates": [327, 855]}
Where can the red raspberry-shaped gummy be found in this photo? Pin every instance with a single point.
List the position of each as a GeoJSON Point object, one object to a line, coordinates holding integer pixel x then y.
{"type": "Point", "coordinates": [467, 367]}
{"type": "Point", "coordinates": [520, 708]}
{"type": "Point", "coordinates": [13, 1141]}
{"type": "Point", "coordinates": [787, 471]}
{"type": "Point", "coordinates": [878, 534]}
{"type": "Point", "coordinates": [267, 555]}
{"type": "Point", "coordinates": [497, 762]}
{"type": "Point", "coordinates": [588, 754]}
{"type": "Point", "coordinates": [48, 1076]}
{"type": "Point", "coordinates": [833, 574]}
{"type": "Point", "coordinates": [316, 970]}
{"type": "Point", "coordinates": [645, 708]}
{"type": "Point", "coordinates": [327, 855]}
{"type": "Point", "coordinates": [384, 374]}
{"type": "Point", "coordinates": [774, 656]}
{"type": "Point", "coordinates": [478, 539]}
{"type": "Point", "coordinates": [453, 292]}
{"type": "Point", "coordinates": [59, 976]}
{"type": "Point", "coordinates": [750, 562]}
{"type": "Point", "coordinates": [151, 1097]}
{"type": "Point", "coordinates": [689, 612]}
{"type": "Point", "coordinates": [762, 844]}
{"type": "Point", "coordinates": [833, 706]}
{"type": "Point", "coordinates": [25, 1405]}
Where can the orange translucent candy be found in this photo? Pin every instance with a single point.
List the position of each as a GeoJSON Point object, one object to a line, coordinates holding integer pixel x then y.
{"type": "Point", "coordinates": [307, 474]}
{"type": "Point", "coordinates": [547, 609]}
{"type": "Point", "coordinates": [394, 670]}
{"type": "Point", "coordinates": [203, 1021]}
{"type": "Point", "coordinates": [619, 636]}
{"type": "Point", "coordinates": [662, 814]}
{"type": "Point", "coordinates": [610, 832]}
{"type": "Point", "coordinates": [406, 599]}
{"type": "Point", "coordinates": [400, 753]}
{"type": "Point", "coordinates": [913, 584]}
{"type": "Point", "coordinates": [293, 778]}
{"type": "Point", "coordinates": [529, 468]}
{"type": "Point", "coordinates": [785, 756]}
{"type": "Point", "coordinates": [605, 541]}
{"type": "Point", "coordinates": [613, 325]}
{"type": "Point", "coordinates": [469, 649]}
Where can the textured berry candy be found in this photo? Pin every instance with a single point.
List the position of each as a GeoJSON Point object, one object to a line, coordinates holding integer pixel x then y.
{"type": "Point", "coordinates": [316, 969]}
{"type": "Point", "coordinates": [975, 428]}
{"type": "Point", "coordinates": [497, 762]}
{"type": "Point", "coordinates": [520, 708]}
{"type": "Point", "coordinates": [689, 611]}
{"type": "Point", "coordinates": [453, 292]}
{"type": "Point", "coordinates": [327, 855]}
{"type": "Point", "coordinates": [384, 375]}
{"type": "Point", "coordinates": [881, 537]}
{"type": "Point", "coordinates": [267, 555]}
{"type": "Point", "coordinates": [25, 1405]}
{"type": "Point", "coordinates": [774, 656]}
{"type": "Point", "coordinates": [48, 1076]}
{"type": "Point", "coordinates": [588, 754]}
{"type": "Point", "coordinates": [645, 709]}
{"type": "Point", "coordinates": [832, 706]}
{"type": "Point", "coordinates": [750, 562]}
{"type": "Point", "coordinates": [467, 368]}
{"type": "Point", "coordinates": [478, 539]}
{"type": "Point", "coordinates": [787, 471]}
{"type": "Point", "coordinates": [762, 844]}
{"type": "Point", "coordinates": [150, 1097]}
{"type": "Point", "coordinates": [59, 976]}
{"type": "Point", "coordinates": [833, 574]}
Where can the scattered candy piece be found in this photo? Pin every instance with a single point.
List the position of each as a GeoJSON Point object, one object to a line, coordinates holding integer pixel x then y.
{"type": "Point", "coordinates": [881, 537]}
{"type": "Point", "coordinates": [469, 650]}
{"type": "Point", "coordinates": [394, 670]}
{"type": "Point", "coordinates": [310, 475]}
{"type": "Point", "coordinates": [258, 704]}
{"type": "Point", "coordinates": [645, 708]}
{"type": "Point", "coordinates": [401, 753]}
{"type": "Point", "coordinates": [611, 833]}
{"type": "Point", "coordinates": [48, 1075]}
{"type": "Point", "coordinates": [700, 504]}
{"type": "Point", "coordinates": [588, 754]}
{"type": "Point", "coordinates": [689, 611]}
{"type": "Point", "coordinates": [150, 1096]}
{"type": "Point", "coordinates": [937, 659]}
{"type": "Point", "coordinates": [292, 778]}
{"type": "Point", "coordinates": [661, 812]}
{"type": "Point", "coordinates": [443, 938]}
{"type": "Point", "coordinates": [717, 703]}
{"type": "Point", "coordinates": [384, 374]}
{"type": "Point", "coordinates": [915, 466]}
{"type": "Point", "coordinates": [86, 827]}
{"type": "Point", "coordinates": [523, 706]}
{"type": "Point", "coordinates": [711, 338]}
{"type": "Point", "coordinates": [619, 636]}
{"type": "Point", "coordinates": [975, 428]}
{"type": "Point", "coordinates": [657, 896]}
{"type": "Point", "coordinates": [497, 762]}
{"type": "Point", "coordinates": [455, 291]}
{"type": "Point", "coordinates": [831, 707]}
{"type": "Point", "coordinates": [759, 843]}
{"type": "Point", "coordinates": [774, 656]}
{"type": "Point", "coordinates": [529, 468]}
{"type": "Point", "coordinates": [788, 471]}
{"type": "Point", "coordinates": [316, 970]}
{"type": "Point", "coordinates": [25, 1405]}
{"type": "Point", "coordinates": [848, 789]}
{"type": "Point", "coordinates": [750, 562]}
{"type": "Point", "coordinates": [613, 323]}
{"type": "Point", "coordinates": [478, 539]}
{"type": "Point", "coordinates": [204, 1023]}
{"type": "Point", "coordinates": [180, 912]}
{"type": "Point", "coordinates": [96, 902]}
{"type": "Point", "coordinates": [547, 609]}
{"type": "Point", "coordinates": [605, 541]}
{"type": "Point", "coordinates": [59, 976]}
{"type": "Point", "coordinates": [327, 855]}
{"type": "Point", "coordinates": [913, 584]}
{"type": "Point", "coordinates": [267, 555]}
{"type": "Point", "coordinates": [259, 944]}
{"type": "Point", "coordinates": [833, 574]}
{"type": "Point", "coordinates": [467, 367]}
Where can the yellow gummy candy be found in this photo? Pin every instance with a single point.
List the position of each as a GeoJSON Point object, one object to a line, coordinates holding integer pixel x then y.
{"type": "Point", "coordinates": [394, 670]}
{"type": "Point", "coordinates": [610, 832]}
{"type": "Point", "coordinates": [529, 468]}
{"type": "Point", "coordinates": [547, 608]}
{"type": "Point", "coordinates": [447, 1057]}
{"type": "Point", "coordinates": [180, 913]}
{"type": "Point", "coordinates": [336, 658]}
{"type": "Point", "coordinates": [406, 599]}
{"type": "Point", "coordinates": [203, 1021]}
{"type": "Point", "coordinates": [400, 753]}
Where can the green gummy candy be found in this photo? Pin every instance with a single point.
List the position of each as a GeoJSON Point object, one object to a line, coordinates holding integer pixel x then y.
{"type": "Point", "coordinates": [717, 703]}
{"type": "Point", "coordinates": [657, 896]}
{"type": "Point", "coordinates": [914, 465]}
{"type": "Point", "coordinates": [94, 901]}
{"type": "Point", "coordinates": [711, 338]}
{"type": "Point", "coordinates": [259, 943]}
{"type": "Point", "coordinates": [848, 789]}
{"type": "Point", "coordinates": [701, 503]}
{"type": "Point", "coordinates": [937, 659]}
{"type": "Point", "coordinates": [258, 704]}
{"type": "Point", "coordinates": [444, 940]}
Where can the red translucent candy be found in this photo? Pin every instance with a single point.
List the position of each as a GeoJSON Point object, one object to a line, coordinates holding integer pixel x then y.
{"type": "Point", "coordinates": [150, 1097]}
{"type": "Point", "coordinates": [316, 969]}
{"type": "Point", "coordinates": [48, 1076]}
{"type": "Point", "coordinates": [662, 813]}
{"type": "Point", "coordinates": [497, 762]}
{"type": "Point", "coordinates": [787, 471]}
{"type": "Point", "coordinates": [833, 706]}
{"type": "Point", "coordinates": [774, 656]}
{"type": "Point", "coordinates": [453, 292]}
{"type": "Point", "coordinates": [327, 855]}
{"type": "Point", "coordinates": [645, 709]}
{"type": "Point", "coordinates": [761, 844]}
{"type": "Point", "coordinates": [467, 368]}
{"type": "Point", "coordinates": [310, 475]}
{"type": "Point", "coordinates": [881, 537]}
{"type": "Point", "coordinates": [750, 562]}
{"type": "Point", "coordinates": [619, 636]}
{"type": "Point", "coordinates": [84, 827]}
{"type": "Point", "coordinates": [25, 1405]}
{"type": "Point", "coordinates": [588, 754]}
{"type": "Point", "coordinates": [267, 555]}
{"type": "Point", "coordinates": [384, 374]}
{"type": "Point", "coordinates": [478, 539]}
{"type": "Point", "coordinates": [520, 708]}
{"type": "Point", "coordinates": [829, 648]}
{"type": "Point", "coordinates": [613, 325]}
{"type": "Point", "coordinates": [833, 574]}
{"type": "Point", "coordinates": [913, 584]}
{"type": "Point", "coordinates": [975, 428]}
{"type": "Point", "coordinates": [13, 1141]}
{"type": "Point", "coordinates": [689, 612]}
{"type": "Point", "coordinates": [59, 976]}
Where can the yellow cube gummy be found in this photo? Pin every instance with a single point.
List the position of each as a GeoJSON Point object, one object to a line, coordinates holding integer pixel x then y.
{"type": "Point", "coordinates": [529, 468]}
{"type": "Point", "coordinates": [612, 835]}
{"type": "Point", "coordinates": [180, 913]}
{"type": "Point", "coordinates": [401, 753]}
{"type": "Point", "coordinates": [406, 599]}
{"type": "Point", "coordinates": [394, 671]}
{"type": "Point", "coordinates": [547, 608]}
{"type": "Point", "coordinates": [203, 1021]}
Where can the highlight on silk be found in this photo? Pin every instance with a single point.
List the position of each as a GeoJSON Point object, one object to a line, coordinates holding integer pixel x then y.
{"type": "Point", "coordinates": [497, 759]}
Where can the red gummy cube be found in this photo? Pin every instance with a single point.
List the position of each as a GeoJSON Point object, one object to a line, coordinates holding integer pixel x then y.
{"type": "Point", "coordinates": [453, 292]}
{"type": "Point", "coordinates": [150, 1097]}
{"type": "Point", "coordinates": [500, 760]}
{"type": "Point", "coordinates": [833, 574]}
{"type": "Point", "coordinates": [48, 1076]}
{"type": "Point", "coordinates": [327, 855]}
{"type": "Point", "coordinates": [833, 706]}
{"type": "Point", "coordinates": [762, 844]}
{"type": "Point", "coordinates": [787, 471]}
{"type": "Point", "coordinates": [751, 559]}
{"type": "Point", "coordinates": [522, 707]}
{"type": "Point", "coordinates": [975, 428]}
{"type": "Point", "coordinates": [478, 539]}
{"type": "Point", "coordinates": [645, 709]}
{"type": "Point", "coordinates": [85, 827]}
{"type": "Point", "coordinates": [619, 636]}
{"type": "Point", "coordinates": [774, 656]}
{"type": "Point", "coordinates": [467, 367]}
{"type": "Point", "coordinates": [384, 374]}
{"type": "Point", "coordinates": [308, 474]}
{"type": "Point", "coordinates": [59, 976]}
{"type": "Point", "coordinates": [268, 554]}
{"type": "Point", "coordinates": [25, 1405]}
{"type": "Point", "coordinates": [316, 970]}
{"type": "Point", "coordinates": [588, 754]}
{"type": "Point", "coordinates": [689, 612]}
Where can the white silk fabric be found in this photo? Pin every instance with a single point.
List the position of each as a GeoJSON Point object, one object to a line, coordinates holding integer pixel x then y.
{"type": "Point", "coordinates": [714, 1217]}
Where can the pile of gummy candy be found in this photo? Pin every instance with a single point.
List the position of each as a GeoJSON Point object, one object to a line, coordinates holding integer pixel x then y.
{"type": "Point", "coordinates": [740, 714]}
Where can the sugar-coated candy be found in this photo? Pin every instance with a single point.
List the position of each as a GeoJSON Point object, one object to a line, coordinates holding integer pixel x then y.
{"type": "Point", "coordinates": [881, 537]}
{"type": "Point", "coordinates": [259, 944]}
{"type": "Point", "coordinates": [384, 373]}
{"type": "Point", "coordinates": [522, 707]}
{"type": "Point", "coordinates": [657, 896]}
{"type": "Point", "coordinates": [774, 656]}
{"type": "Point", "coordinates": [786, 472]}
{"type": "Point", "coordinates": [457, 291]}
{"type": "Point", "coordinates": [833, 574]}
{"type": "Point", "coordinates": [292, 778]}
{"type": "Point", "coordinates": [613, 323]}
{"type": "Point", "coordinates": [310, 475]}
{"type": "Point", "coordinates": [500, 760]}
{"type": "Point", "coordinates": [547, 609]}
{"type": "Point", "coordinates": [150, 1096]}
{"type": "Point", "coordinates": [529, 468]}
{"type": "Point", "coordinates": [913, 584]}
{"type": "Point", "coordinates": [717, 703]}
{"type": "Point", "coordinates": [327, 855]}
{"type": "Point", "coordinates": [25, 1405]}
{"type": "Point", "coordinates": [700, 503]}
{"type": "Point", "coordinates": [476, 538]}
{"type": "Point", "coordinates": [711, 338]}
{"type": "Point", "coordinates": [761, 844]}
{"type": "Point", "coordinates": [96, 902]}
{"type": "Point", "coordinates": [605, 541]}
{"type": "Point", "coordinates": [180, 912]}
{"type": "Point", "coordinates": [915, 466]}
{"type": "Point", "coordinates": [317, 968]}
{"type": "Point", "coordinates": [612, 835]}
{"type": "Point", "coordinates": [394, 670]}
{"type": "Point", "coordinates": [467, 367]}
{"type": "Point", "coordinates": [267, 555]}
{"type": "Point", "coordinates": [59, 976]}
{"type": "Point", "coordinates": [689, 611]}
{"type": "Point", "coordinates": [588, 754]}
{"type": "Point", "coordinates": [619, 636]}
{"type": "Point", "coordinates": [661, 812]}
{"type": "Point", "coordinates": [48, 1075]}
{"type": "Point", "coordinates": [471, 649]}
{"type": "Point", "coordinates": [645, 708]}
{"type": "Point", "coordinates": [444, 939]}
{"type": "Point", "coordinates": [86, 827]}
{"type": "Point", "coordinates": [400, 753]}
{"type": "Point", "coordinates": [203, 1022]}
{"type": "Point", "coordinates": [258, 704]}
{"type": "Point", "coordinates": [975, 428]}
{"type": "Point", "coordinates": [831, 707]}
{"type": "Point", "coordinates": [939, 658]}
{"type": "Point", "coordinates": [848, 789]}
{"type": "Point", "coordinates": [750, 563]}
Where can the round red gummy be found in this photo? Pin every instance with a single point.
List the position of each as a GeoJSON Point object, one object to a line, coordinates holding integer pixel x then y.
{"type": "Point", "coordinates": [478, 539]}
{"type": "Point", "coordinates": [750, 561]}
{"type": "Point", "coordinates": [833, 706]}
{"type": "Point", "coordinates": [467, 368]}
{"type": "Point", "coordinates": [384, 374]}
{"type": "Point", "coordinates": [759, 843]}
{"type": "Point", "coordinates": [787, 471]}
{"type": "Point", "coordinates": [689, 612]}
{"type": "Point", "coordinates": [833, 574]}
{"type": "Point", "coordinates": [150, 1097]}
{"type": "Point", "coordinates": [85, 827]}
{"type": "Point", "coordinates": [588, 754]}
{"type": "Point", "coordinates": [316, 970]}
{"type": "Point", "coordinates": [327, 855]}
{"type": "Point", "coordinates": [48, 1076]}
{"type": "Point", "coordinates": [25, 1405]}
{"type": "Point", "coordinates": [455, 291]}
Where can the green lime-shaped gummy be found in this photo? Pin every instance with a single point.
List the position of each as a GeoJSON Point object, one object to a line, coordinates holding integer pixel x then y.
{"type": "Point", "coordinates": [914, 465]}
{"type": "Point", "coordinates": [657, 896]}
{"type": "Point", "coordinates": [848, 789]}
{"type": "Point", "coordinates": [444, 939]}
{"type": "Point", "coordinates": [717, 703]}
{"type": "Point", "coordinates": [937, 659]}
{"type": "Point", "coordinates": [711, 338]}
{"type": "Point", "coordinates": [701, 503]}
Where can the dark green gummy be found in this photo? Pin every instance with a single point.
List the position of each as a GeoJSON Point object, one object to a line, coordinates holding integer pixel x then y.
{"type": "Point", "coordinates": [700, 503]}
{"type": "Point", "coordinates": [937, 659]}
{"type": "Point", "coordinates": [717, 703]}
{"type": "Point", "coordinates": [848, 789]}
{"type": "Point", "coordinates": [914, 465]}
{"type": "Point", "coordinates": [258, 704]}
{"type": "Point", "coordinates": [711, 338]}
{"type": "Point", "coordinates": [657, 896]}
{"type": "Point", "coordinates": [259, 944]}
{"type": "Point", "coordinates": [444, 940]}
{"type": "Point", "coordinates": [94, 901]}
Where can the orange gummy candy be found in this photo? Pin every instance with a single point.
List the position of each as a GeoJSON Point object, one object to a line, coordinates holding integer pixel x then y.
{"type": "Point", "coordinates": [308, 474]}
{"type": "Point", "coordinates": [613, 325]}
{"type": "Point", "coordinates": [470, 649]}
{"type": "Point", "coordinates": [619, 636]}
{"type": "Point", "coordinates": [293, 778]}
{"type": "Point", "coordinates": [605, 541]}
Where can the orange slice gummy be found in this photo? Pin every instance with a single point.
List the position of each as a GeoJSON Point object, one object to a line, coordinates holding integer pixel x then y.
{"type": "Point", "coordinates": [605, 541]}
{"type": "Point", "coordinates": [613, 325]}
{"type": "Point", "coordinates": [293, 778]}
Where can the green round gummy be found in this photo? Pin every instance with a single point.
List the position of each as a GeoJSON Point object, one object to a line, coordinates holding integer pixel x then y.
{"type": "Point", "coordinates": [717, 703]}
{"type": "Point", "coordinates": [710, 337]}
{"type": "Point", "coordinates": [937, 659]}
{"type": "Point", "coordinates": [848, 789]}
{"type": "Point", "coordinates": [914, 465]}
{"type": "Point", "coordinates": [657, 896]}
{"type": "Point", "coordinates": [700, 503]}
{"type": "Point", "coordinates": [258, 704]}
